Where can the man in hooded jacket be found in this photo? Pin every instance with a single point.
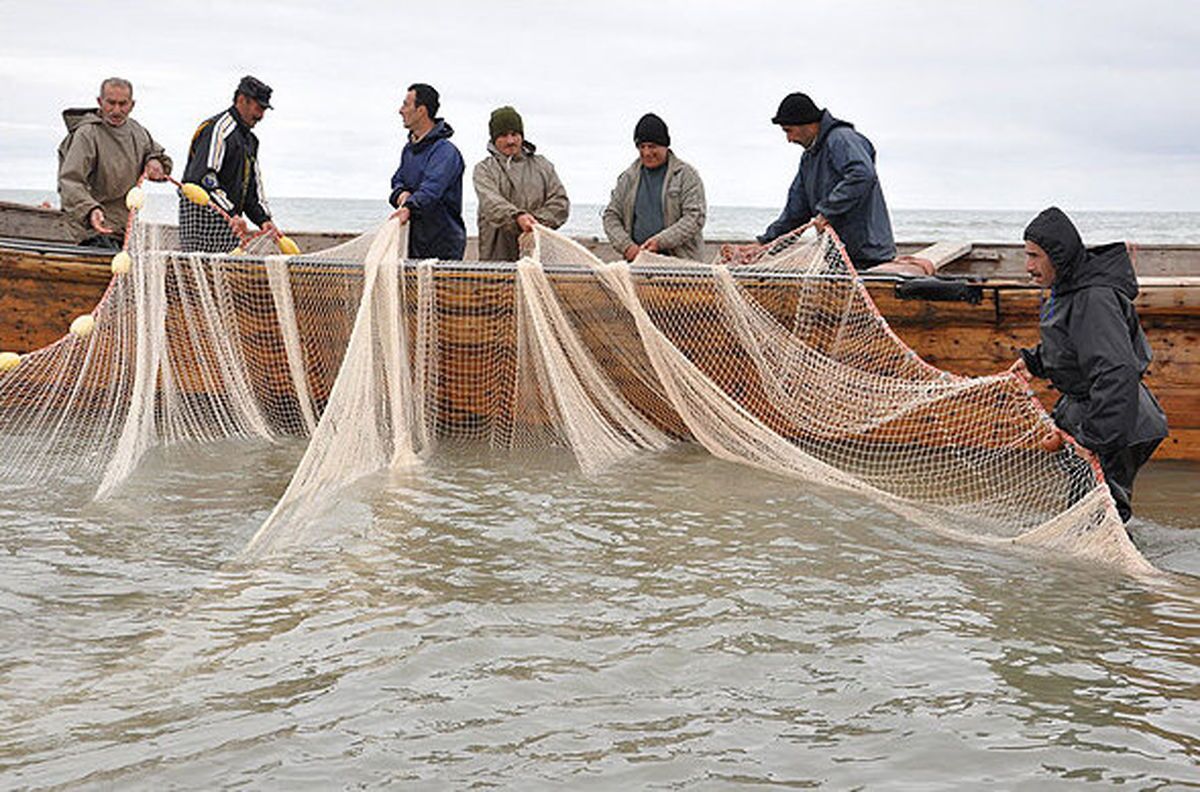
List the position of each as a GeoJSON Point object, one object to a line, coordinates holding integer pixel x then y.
{"type": "Point", "coordinates": [101, 158]}
{"type": "Point", "coordinates": [427, 187]}
{"type": "Point", "coordinates": [1093, 350]}
{"type": "Point", "coordinates": [836, 183]}
{"type": "Point", "coordinates": [517, 188]}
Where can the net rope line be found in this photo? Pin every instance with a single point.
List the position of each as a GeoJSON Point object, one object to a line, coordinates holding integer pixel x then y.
{"type": "Point", "coordinates": [784, 364]}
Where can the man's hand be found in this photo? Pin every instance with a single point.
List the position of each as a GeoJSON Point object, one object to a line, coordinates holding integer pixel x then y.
{"type": "Point", "coordinates": [526, 222]}
{"type": "Point", "coordinates": [402, 214]}
{"type": "Point", "coordinates": [820, 223]}
{"type": "Point", "coordinates": [402, 197]}
{"type": "Point", "coordinates": [155, 171]}
{"type": "Point", "coordinates": [631, 252]}
{"type": "Point", "coordinates": [239, 227]}
{"type": "Point", "coordinates": [1020, 369]}
{"type": "Point", "coordinates": [651, 245]}
{"type": "Point", "coordinates": [1055, 440]}
{"type": "Point", "coordinates": [271, 229]}
{"type": "Point", "coordinates": [96, 218]}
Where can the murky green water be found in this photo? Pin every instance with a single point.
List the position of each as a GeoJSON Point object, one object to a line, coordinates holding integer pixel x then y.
{"type": "Point", "coordinates": [500, 621]}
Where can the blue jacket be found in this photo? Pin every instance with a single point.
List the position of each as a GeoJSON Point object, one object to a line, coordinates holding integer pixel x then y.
{"type": "Point", "coordinates": [837, 179]}
{"type": "Point", "coordinates": [431, 171]}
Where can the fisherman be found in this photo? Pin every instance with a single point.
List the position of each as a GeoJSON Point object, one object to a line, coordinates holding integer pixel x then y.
{"type": "Point", "coordinates": [517, 189]}
{"type": "Point", "coordinates": [427, 187]}
{"type": "Point", "coordinates": [223, 159]}
{"type": "Point", "coordinates": [1093, 351]}
{"type": "Point", "coordinates": [836, 184]}
{"type": "Point", "coordinates": [100, 159]}
{"type": "Point", "coordinates": [658, 203]}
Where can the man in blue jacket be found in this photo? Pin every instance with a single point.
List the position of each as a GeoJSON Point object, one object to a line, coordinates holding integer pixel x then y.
{"type": "Point", "coordinates": [427, 187]}
{"type": "Point", "coordinates": [836, 184]}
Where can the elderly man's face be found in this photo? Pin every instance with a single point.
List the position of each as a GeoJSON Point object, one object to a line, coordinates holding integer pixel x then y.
{"type": "Point", "coordinates": [652, 154]}
{"type": "Point", "coordinates": [804, 134]}
{"type": "Point", "coordinates": [509, 144]}
{"type": "Point", "coordinates": [116, 102]}
{"type": "Point", "coordinates": [1038, 265]}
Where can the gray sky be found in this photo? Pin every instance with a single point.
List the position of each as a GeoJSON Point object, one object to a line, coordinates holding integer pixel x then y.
{"type": "Point", "coordinates": [980, 105]}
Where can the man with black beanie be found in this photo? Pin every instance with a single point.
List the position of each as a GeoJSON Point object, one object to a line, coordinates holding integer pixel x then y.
{"type": "Point", "coordinates": [836, 184]}
{"type": "Point", "coordinates": [658, 204]}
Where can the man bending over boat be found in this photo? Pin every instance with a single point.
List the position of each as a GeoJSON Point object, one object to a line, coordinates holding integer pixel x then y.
{"type": "Point", "coordinates": [517, 189]}
{"type": "Point", "coordinates": [836, 184]}
{"type": "Point", "coordinates": [223, 159]}
{"type": "Point", "coordinates": [1093, 350]}
{"type": "Point", "coordinates": [102, 156]}
{"type": "Point", "coordinates": [658, 204]}
{"type": "Point", "coordinates": [427, 187]}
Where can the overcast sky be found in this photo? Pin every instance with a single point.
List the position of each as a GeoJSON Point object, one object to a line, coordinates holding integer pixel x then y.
{"type": "Point", "coordinates": [979, 105]}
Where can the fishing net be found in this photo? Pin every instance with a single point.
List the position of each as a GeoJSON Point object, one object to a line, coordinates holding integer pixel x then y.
{"type": "Point", "coordinates": [782, 363]}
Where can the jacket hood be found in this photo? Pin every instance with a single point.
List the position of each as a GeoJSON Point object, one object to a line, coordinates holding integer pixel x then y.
{"type": "Point", "coordinates": [440, 131]}
{"type": "Point", "coordinates": [1075, 266]}
{"type": "Point", "coordinates": [828, 123]}
{"type": "Point", "coordinates": [527, 148]}
{"type": "Point", "coordinates": [75, 117]}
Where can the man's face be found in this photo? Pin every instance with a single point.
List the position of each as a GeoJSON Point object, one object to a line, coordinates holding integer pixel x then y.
{"type": "Point", "coordinates": [804, 134]}
{"type": "Point", "coordinates": [249, 109]}
{"type": "Point", "coordinates": [410, 112]}
{"type": "Point", "coordinates": [116, 102]}
{"type": "Point", "coordinates": [652, 154]}
{"type": "Point", "coordinates": [1038, 265]}
{"type": "Point", "coordinates": [509, 144]}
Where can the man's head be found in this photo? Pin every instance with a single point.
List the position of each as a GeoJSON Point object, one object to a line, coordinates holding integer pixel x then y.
{"type": "Point", "coordinates": [252, 100]}
{"type": "Point", "coordinates": [653, 140]}
{"type": "Point", "coordinates": [507, 131]}
{"type": "Point", "coordinates": [1053, 247]}
{"type": "Point", "coordinates": [420, 106]}
{"type": "Point", "coordinates": [800, 119]}
{"type": "Point", "coordinates": [115, 100]}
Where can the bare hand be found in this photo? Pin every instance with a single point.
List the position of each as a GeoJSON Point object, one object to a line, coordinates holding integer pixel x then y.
{"type": "Point", "coordinates": [631, 252]}
{"type": "Point", "coordinates": [1055, 440]}
{"type": "Point", "coordinates": [239, 227]}
{"type": "Point", "coordinates": [155, 171]}
{"type": "Point", "coordinates": [1020, 369]}
{"type": "Point", "coordinates": [402, 214]}
{"type": "Point", "coordinates": [97, 220]}
{"type": "Point", "coordinates": [402, 198]}
{"type": "Point", "coordinates": [820, 223]}
{"type": "Point", "coordinates": [271, 229]}
{"type": "Point", "coordinates": [651, 245]}
{"type": "Point", "coordinates": [526, 222]}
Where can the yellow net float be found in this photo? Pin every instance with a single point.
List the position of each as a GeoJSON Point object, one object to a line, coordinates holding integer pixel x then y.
{"type": "Point", "coordinates": [287, 246]}
{"type": "Point", "coordinates": [135, 199]}
{"type": "Point", "coordinates": [121, 263]}
{"type": "Point", "coordinates": [194, 193]}
{"type": "Point", "coordinates": [83, 325]}
{"type": "Point", "coordinates": [9, 361]}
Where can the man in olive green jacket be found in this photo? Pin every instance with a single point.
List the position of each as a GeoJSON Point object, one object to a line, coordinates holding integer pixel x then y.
{"type": "Point", "coordinates": [658, 204]}
{"type": "Point", "coordinates": [516, 187]}
{"type": "Point", "coordinates": [103, 155]}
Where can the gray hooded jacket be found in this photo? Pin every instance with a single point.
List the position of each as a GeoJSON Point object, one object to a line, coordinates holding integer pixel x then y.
{"type": "Point", "coordinates": [509, 186]}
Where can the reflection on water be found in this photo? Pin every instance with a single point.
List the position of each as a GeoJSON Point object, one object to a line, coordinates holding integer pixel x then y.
{"type": "Point", "coordinates": [495, 619]}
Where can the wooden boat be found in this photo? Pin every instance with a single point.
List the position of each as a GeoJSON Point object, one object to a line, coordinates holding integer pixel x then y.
{"type": "Point", "coordinates": [971, 319]}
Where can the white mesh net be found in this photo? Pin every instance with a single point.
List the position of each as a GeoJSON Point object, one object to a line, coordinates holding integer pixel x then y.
{"type": "Point", "coordinates": [784, 364]}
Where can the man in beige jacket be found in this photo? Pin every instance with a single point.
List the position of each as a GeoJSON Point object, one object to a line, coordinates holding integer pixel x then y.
{"type": "Point", "coordinates": [516, 188]}
{"type": "Point", "coordinates": [658, 204]}
{"type": "Point", "coordinates": [102, 156]}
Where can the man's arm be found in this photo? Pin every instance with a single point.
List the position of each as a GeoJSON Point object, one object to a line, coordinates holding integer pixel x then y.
{"type": "Point", "coordinates": [614, 221]}
{"type": "Point", "coordinates": [209, 145]}
{"type": "Point", "coordinates": [445, 165]}
{"type": "Point", "coordinates": [1106, 357]}
{"type": "Point", "coordinates": [796, 212]}
{"type": "Point", "coordinates": [257, 208]}
{"type": "Point", "coordinates": [157, 165]}
{"type": "Point", "coordinates": [557, 207]}
{"type": "Point", "coordinates": [852, 160]}
{"type": "Point", "coordinates": [75, 193]}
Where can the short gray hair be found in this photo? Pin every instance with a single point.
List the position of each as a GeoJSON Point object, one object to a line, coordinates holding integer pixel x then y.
{"type": "Point", "coordinates": [117, 82]}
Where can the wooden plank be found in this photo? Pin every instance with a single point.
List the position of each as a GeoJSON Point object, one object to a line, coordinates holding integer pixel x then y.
{"type": "Point", "coordinates": [942, 253]}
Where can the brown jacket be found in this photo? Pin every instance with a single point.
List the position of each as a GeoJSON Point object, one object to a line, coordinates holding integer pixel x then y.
{"type": "Point", "coordinates": [509, 186]}
{"type": "Point", "coordinates": [684, 210]}
{"type": "Point", "coordinates": [97, 164]}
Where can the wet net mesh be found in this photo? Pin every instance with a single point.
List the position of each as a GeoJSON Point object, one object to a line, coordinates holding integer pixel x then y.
{"type": "Point", "coordinates": [783, 364]}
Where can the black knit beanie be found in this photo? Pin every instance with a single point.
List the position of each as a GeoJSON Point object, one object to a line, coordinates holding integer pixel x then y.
{"type": "Point", "coordinates": [651, 129]}
{"type": "Point", "coordinates": [797, 109]}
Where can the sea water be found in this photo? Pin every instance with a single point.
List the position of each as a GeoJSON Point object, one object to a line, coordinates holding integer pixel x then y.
{"type": "Point", "coordinates": [500, 620]}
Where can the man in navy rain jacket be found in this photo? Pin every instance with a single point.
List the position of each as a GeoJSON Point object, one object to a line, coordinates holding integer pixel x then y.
{"type": "Point", "coordinates": [427, 187]}
{"type": "Point", "coordinates": [836, 184]}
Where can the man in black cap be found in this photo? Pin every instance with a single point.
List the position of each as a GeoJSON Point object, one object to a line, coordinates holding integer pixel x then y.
{"type": "Point", "coordinates": [223, 159]}
{"type": "Point", "coordinates": [658, 204]}
{"type": "Point", "coordinates": [836, 184]}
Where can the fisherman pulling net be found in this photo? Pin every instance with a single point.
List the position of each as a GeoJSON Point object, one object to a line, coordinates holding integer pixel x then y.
{"type": "Point", "coordinates": [783, 364]}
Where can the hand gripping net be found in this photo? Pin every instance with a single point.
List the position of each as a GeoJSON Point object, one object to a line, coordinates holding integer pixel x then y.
{"type": "Point", "coordinates": [784, 364]}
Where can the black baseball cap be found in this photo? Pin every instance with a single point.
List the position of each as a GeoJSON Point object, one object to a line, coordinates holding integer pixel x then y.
{"type": "Point", "coordinates": [256, 89]}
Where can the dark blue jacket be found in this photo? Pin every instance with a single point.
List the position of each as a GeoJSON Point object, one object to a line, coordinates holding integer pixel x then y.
{"type": "Point", "coordinates": [431, 171]}
{"type": "Point", "coordinates": [837, 180]}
